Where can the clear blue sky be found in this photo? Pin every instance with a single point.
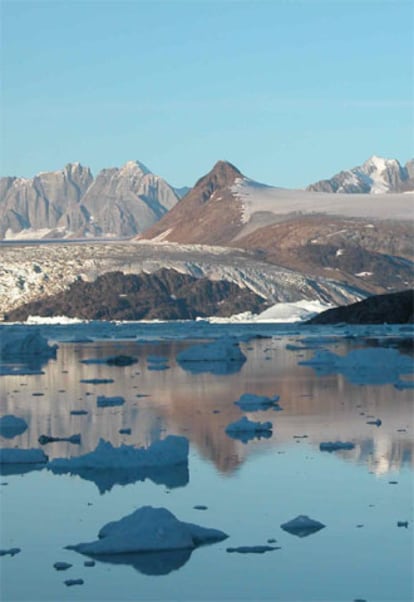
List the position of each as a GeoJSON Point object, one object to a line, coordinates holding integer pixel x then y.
{"type": "Point", "coordinates": [289, 91]}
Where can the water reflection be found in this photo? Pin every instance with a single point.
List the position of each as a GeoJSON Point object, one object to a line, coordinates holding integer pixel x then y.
{"type": "Point", "coordinates": [201, 405]}
{"type": "Point", "coordinates": [150, 563]}
{"type": "Point", "coordinates": [106, 478]}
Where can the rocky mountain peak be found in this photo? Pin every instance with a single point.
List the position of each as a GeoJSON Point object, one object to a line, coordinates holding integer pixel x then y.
{"type": "Point", "coordinates": [221, 176]}
{"type": "Point", "coordinates": [135, 167]}
{"type": "Point", "coordinates": [376, 175]}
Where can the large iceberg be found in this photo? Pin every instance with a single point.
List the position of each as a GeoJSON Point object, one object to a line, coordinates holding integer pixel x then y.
{"type": "Point", "coordinates": [21, 343]}
{"type": "Point", "coordinates": [363, 366]}
{"type": "Point", "coordinates": [23, 351]}
{"type": "Point", "coordinates": [222, 356]}
{"type": "Point", "coordinates": [146, 530]}
{"type": "Point", "coordinates": [164, 462]}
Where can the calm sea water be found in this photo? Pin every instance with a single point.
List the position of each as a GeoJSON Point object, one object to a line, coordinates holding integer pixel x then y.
{"type": "Point", "coordinates": [249, 489]}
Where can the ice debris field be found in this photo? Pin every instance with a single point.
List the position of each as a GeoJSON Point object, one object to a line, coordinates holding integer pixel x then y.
{"type": "Point", "coordinates": [213, 361]}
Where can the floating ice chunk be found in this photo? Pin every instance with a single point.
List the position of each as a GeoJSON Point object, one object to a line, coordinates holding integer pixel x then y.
{"type": "Point", "coordinates": [22, 456]}
{"type": "Point", "coordinates": [70, 582]}
{"type": "Point", "coordinates": [166, 452]}
{"type": "Point", "coordinates": [11, 426]}
{"type": "Point", "coordinates": [10, 551]}
{"type": "Point", "coordinates": [335, 445]}
{"type": "Point", "coordinates": [253, 549]}
{"type": "Point", "coordinates": [376, 422]}
{"type": "Point", "coordinates": [363, 366]}
{"type": "Point", "coordinates": [97, 381]}
{"type": "Point", "coordinates": [245, 425]}
{"type": "Point", "coordinates": [164, 462]}
{"type": "Point", "coordinates": [225, 349]}
{"type": "Point", "coordinates": [62, 566]}
{"type": "Point", "coordinates": [244, 429]}
{"type": "Point", "coordinates": [148, 529]}
{"type": "Point", "coordinates": [302, 526]}
{"type": "Point", "coordinates": [121, 360]}
{"type": "Point", "coordinates": [25, 343]}
{"type": "Point", "coordinates": [44, 439]}
{"type": "Point", "coordinates": [105, 402]}
{"type": "Point", "coordinates": [249, 402]}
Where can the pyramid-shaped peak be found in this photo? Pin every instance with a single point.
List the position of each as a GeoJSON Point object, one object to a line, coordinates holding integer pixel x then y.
{"type": "Point", "coordinates": [222, 175]}
{"type": "Point", "coordinates": [225, 168]}
{"type": "Point", "coordinates": [136, 166]}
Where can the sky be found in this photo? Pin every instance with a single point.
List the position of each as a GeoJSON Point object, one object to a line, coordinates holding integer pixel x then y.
{"type": "Point", "coordinates": [289, 91]}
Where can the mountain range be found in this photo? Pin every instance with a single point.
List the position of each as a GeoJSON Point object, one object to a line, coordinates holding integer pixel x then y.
{"type": "Point", "coordinates": [123, 202]}
{"type": "Point", "coordinates": [284, 245]}
{"type": "Point", "coordinates": [71, 203]}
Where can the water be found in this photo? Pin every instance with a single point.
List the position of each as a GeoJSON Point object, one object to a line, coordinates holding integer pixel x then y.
{"type": "Point", "coordinates": [249, 489]}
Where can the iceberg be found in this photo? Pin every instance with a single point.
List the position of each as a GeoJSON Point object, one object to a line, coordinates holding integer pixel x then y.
{"type": "Point", "coordinates": [11, 426]}
{"type": "Point", "coordinates": [302, 526]}
{"type": "Point", "coordinates": [164, 462]}
{"type": "Point", "coordinates": [375, 366]}
{"type": "Point", "coordinates": [22, 456]}
{"type": "Point", "coordinates": [249, 402]}
{"type": "Point", "coordinates": [24, 351]}
{"type": "Point", "coordinates": [222, 356]}
{"type": "Point", "coordinates": [245, 429]}
{"type": "Point", "coordinates": [104, 402]}
{"type": "Point", "coordinates": [151, 540]}
{"type": "Point", "coordinates": [335, 445]}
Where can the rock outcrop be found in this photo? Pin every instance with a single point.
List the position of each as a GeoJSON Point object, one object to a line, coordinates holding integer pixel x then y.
{"type": "Point", "coordinates": [394, 308]}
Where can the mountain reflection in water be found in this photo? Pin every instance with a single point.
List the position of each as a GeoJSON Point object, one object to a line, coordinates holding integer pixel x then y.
{"type": "Point", "coordinates": [201, 405]}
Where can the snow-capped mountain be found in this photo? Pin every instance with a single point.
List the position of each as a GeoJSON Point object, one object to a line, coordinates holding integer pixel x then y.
{"type": "Point", "coordinates": [352, 237]}
{"type": "Point", "coordinates": [119, 202]}
{"type": "Point", "coordinates": [377, 175]}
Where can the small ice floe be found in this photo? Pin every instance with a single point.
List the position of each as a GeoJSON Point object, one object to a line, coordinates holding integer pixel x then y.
{"type": "Point", "coordinates": [376, 422]}
{"type": "Point", "coordinates": [148, 530]}
{"type": "Point", "coordinates": [375, 366]}
{"type": "Point", "coordinates": [11, 426]}
{"type": "Point", "coordinates": [11, 552]}
{"type": "Point", "coordinates": [331, 446]}
{"type": "Point", "coordinates": [302, 526]}
{"type": "Point", "coordinates": [223, 356]}
{"type": "Point", "coordinates": [70, 582]}
{"type": "Point", "coordinates": [78, 412]}
{"type": "Point", "coordinates": [165, 461]}
{"type": "Point", "coordinates": [22, 456]}
{"type": "Point", "coordinates": [249, 402]}
{"type": "Point", "coordinates": [45, 439]}
{"type": "Point", "coordinates": [104, 402]}
{"type": "Point", "coordinates": [62, 566]}
{"type": "Point", "coordinates": [121, 360]}
{"type": "Point", "coordinates": [97, 381]}
{"type": "Point", "coordinates": [252, 549]}
{"type": "Point", "coordinates": [245, 429]}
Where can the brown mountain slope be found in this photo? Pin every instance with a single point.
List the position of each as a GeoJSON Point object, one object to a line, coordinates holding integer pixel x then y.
{"type": "Point", "coordinates": [208, 214]}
